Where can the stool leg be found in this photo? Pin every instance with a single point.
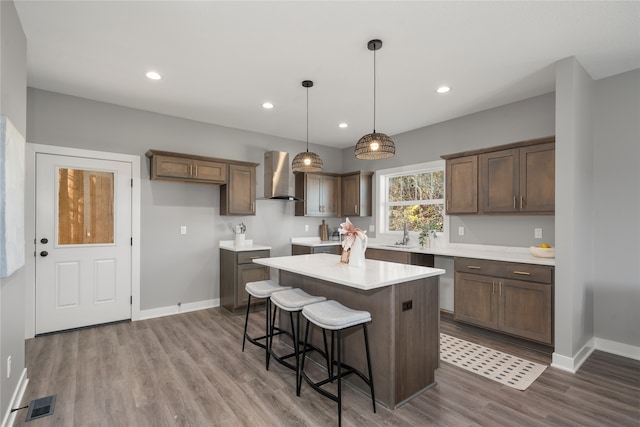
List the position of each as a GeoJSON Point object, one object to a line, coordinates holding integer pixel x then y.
{"type": "Point", "coordinates": [339, 377]}
{"type": "Point", "coordinates": [304, 352]}
{"type": "Point", "coordinates": [366, 345]}
{"type": "Point", "coordinates": [268, 334]}
{"type": "Point", "coordinates": [326, 352]}
{"type": "Point", "coordinates": [246, 321]}
{"type": "Point", "coordinates": [295, 331]}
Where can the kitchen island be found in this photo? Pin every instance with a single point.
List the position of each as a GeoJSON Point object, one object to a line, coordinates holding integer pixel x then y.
{"type": "Point", "coordinates": [405, 328]}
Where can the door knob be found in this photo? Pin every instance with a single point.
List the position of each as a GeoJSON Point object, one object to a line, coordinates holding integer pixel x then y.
{"type": "Point", "coordinates": [44, 253]}
{"type": "Point", "coordinates": [44, 240]}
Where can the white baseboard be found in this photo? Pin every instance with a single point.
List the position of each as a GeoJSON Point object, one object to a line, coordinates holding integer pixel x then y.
{"type": "Point", "coordinates": [175, 309]}
{"type": "Point", "coordinates": [18, 393]}
{"type": "Point", "coordinates": [619, 349]}
{"type": "Point", "coordinates": [572, 364]}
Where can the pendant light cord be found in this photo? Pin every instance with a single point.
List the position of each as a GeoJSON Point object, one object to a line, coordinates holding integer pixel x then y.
{"type": "Point", "coordinates": [374, 91]}
{"type": "Point", "coordinates": [307, 119]}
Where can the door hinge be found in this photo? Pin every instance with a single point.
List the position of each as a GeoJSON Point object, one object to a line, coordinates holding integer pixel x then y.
{"type": "Point", "coordinates": [132, 241]}
{"type": "Point", "coordinates": [131, 300]}
{"type": "Point", "coordinates": [131, 182]}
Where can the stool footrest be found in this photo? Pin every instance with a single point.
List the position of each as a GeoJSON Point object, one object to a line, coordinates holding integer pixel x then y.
{"type": "Point", "coordinates": [283, 362]}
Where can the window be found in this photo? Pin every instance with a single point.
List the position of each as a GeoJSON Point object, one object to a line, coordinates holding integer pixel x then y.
{"type": "Point", "coordinates": [412, 195]}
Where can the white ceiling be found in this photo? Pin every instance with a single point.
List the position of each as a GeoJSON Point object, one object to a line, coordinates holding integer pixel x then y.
{"type": "Point", "coordinates": [221, 60]}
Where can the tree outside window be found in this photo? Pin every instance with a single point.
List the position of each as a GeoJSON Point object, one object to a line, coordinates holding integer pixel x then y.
{"type": "Point", "coordinates": [416, 199]}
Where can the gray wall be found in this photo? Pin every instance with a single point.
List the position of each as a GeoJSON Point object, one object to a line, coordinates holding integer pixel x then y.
{"type": "Point", "coordinates": [13, 87]}
{"type": "Point", "coordinates": [176, 268]}
{"type": "Point", "coordinates": [527, 119]}
{"type": "Point", "coordinates": [574, 209]}
{"type": "Point", "coordinates": [616, 178]}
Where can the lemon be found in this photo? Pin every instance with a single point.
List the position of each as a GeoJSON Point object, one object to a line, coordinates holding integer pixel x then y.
{"type": "Point", "coordinates": [544, 245]}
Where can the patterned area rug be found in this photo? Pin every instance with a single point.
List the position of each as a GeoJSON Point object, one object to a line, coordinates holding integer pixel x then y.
{"type": "Point", "coordinates": [495, 365]}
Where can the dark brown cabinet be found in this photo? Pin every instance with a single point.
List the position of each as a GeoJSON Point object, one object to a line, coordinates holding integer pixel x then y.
{"type": "Point", "coordinates": [320, 193]}
{"type": "Point", "coordinates": [175, 167]}
{"type": "Point", "coordinates": [519, 180]}
{"type": "Point", "coordinates": [509, 179]}
{"type": "Point", "coordinates": [355, 194]}
{"type": "Point", "coordinates": [238, 196]}
{"type": "Point", "coordinates": [462, 185]}
{"type": "Point", "coordinates": [236, 269]}
{"type": "Point", "coordinates": [306, 250]}
{"type": "Point", "coordinates": [513, 298]}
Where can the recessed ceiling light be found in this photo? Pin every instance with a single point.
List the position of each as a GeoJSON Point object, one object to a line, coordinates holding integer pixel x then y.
{"type": "Point", "coordinates": [343, 125]}
{"type": "Point", "coordinates": [267, 105]}
{"type": "Point", "coordinates": [153, 75]}
{"type": "Point", "coordinates": [443, 89]}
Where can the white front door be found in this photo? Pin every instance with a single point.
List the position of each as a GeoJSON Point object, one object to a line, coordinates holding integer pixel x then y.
{"type": "Point", "coordinates": [83, 242]}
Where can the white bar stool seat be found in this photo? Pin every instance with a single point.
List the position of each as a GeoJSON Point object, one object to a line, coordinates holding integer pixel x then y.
{"type": "Point", "coordinates": [262, 289]}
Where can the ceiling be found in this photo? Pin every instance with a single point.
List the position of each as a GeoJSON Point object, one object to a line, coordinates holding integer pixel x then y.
{"type": "Point", "coordinates": [221, 60]}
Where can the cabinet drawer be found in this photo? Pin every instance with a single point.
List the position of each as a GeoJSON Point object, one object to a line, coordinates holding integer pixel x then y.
{"type": "Point", "coordinates": [248, 256]}
{"type": "Point", "coordinates": [509, 270]}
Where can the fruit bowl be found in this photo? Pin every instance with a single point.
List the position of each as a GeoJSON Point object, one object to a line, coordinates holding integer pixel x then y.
{"type": "Point", "coordinates": [539, 252]}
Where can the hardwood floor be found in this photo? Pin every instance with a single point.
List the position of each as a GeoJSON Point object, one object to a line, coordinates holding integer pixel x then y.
{"type": "Point", "coordinates": [189, 370]}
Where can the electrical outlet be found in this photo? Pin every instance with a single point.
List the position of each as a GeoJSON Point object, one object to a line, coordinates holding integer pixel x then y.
{"type": "Point", "coordinates": [183, 229]}
{"type": "Point", "coordinates": [537, 233]}
{"type": "Point", "coordinates": [9, 367]}
{"type": "Point", "coordinates": [460, 231]}
{"type": "Point", "coordinates": [407, 305]}
{"type": "Point", "coordinates": [306, 227]}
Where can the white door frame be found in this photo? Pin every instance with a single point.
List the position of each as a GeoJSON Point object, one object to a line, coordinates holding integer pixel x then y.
{"type": "Point", "coordinates": [30, 222]}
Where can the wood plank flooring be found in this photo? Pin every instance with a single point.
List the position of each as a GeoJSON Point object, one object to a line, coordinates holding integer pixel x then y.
{"type": "Point", "coordinates": [188, 370]}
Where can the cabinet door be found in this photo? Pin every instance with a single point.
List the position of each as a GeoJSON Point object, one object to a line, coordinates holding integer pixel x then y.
{"type": "Point", "coordinates": [499, 177]}
{"type": "Point", "coordinates": [462, 185]}
{"type": "Point", "coordinates": [313, 195]}
{"type": "Point", "coordinates": [475, 300]}
{"type": "Point", "coordinates": [248, 273]}
{"type": "Point", "coordinates": [329, 196]}
{"type": "Point", "coordinates": [525, 309]}
{"type": "Point", "coordinates": [390, 256]}
{"type": "Point", "coordinates": [238, 197]}
{"type": "Point", "coordinates": [171, 167]}
{"type": "Point", "coordinates": [350, 195]}
{"type": "Point", "coordinates": [538, 178]}
{"type": "Point", "coordinates": [213, 172]}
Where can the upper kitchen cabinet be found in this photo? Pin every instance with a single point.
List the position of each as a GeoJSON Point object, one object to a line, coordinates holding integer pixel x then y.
{"type": "Point", "coordinates": [355, 197]}
{"type": "Point", "coordinates": [237, 179]}
{"type": "Point", "coordinates": [183, 167]}
{"type": "Point", "coordinates": [509, 179]}
{"type": "Point", "coordinates": [462, 185]}
{"type": "Point", "coordinates": [320, 193]}
{"type": "Point", "coordinates": [238, 196]}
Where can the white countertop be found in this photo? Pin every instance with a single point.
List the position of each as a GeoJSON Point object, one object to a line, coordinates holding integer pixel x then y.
{"type": "Point", "coordinates": [374, 274]}
{"type": "Point", "coordinates": [314, 242]}
{"type": "Point", "coordinates": [248, 246]}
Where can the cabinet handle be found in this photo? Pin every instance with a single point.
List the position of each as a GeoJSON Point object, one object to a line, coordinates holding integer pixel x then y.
{"type": "Point", "coordinates": [500, 289]}
{"type": "Point", "coordinates": [447, 204]}
{"type": "Point", "coordinates": [474, 267]}
{"type": "Point", "coordinates": [355, 208]}
{"type": "Point", "coordinates": [196, 171]}
{"type": "Point", "coordinates": [514, 202]}
{"type": "Point", "coordinates": [522, 273]}
{"type": "Point", "coordinates": [521, 202]}
{"type": "Point", "coordinates": [191, 170]}
{"type": "Point", "coordinates": [254, 257]}
{"type": "Point", "coordinates": [493, 288]}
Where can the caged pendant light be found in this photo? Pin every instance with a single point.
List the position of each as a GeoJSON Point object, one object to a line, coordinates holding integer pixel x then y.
{"type": "Point", "coordinates": [307, 161]}
{"type": "Point", "coordinates": [375, 145]}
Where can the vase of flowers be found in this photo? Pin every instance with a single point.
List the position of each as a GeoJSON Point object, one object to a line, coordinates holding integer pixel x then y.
{"type": "Point", "coordinates": [354, 244]}
{"type": "Point", "coordinates": [427, 232]}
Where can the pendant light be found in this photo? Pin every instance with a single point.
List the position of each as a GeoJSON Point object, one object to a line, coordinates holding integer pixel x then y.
{"type": "Point", "coordinates": [375, 145]}
{"type": "Point", "coordinates": [307, 161]}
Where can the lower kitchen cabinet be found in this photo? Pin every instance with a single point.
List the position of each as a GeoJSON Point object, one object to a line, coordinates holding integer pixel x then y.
{"type": "Point", "coordinates": [306, 250]}
{"type": "Point", "coordinates": [236, 269]}
{"type": "Point", "coordinates": [402, 257]}
{"type": "Point", "coordinates": [516, 299]}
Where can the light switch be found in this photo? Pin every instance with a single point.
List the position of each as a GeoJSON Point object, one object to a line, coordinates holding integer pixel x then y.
{"type": "Point", "coordinates": [460, 231]}
{"type": "Point", "coordinates": [183, 229]}
{"type": "Point", "coordinates": [306, 227]}
{"type": "Point", "coordinates": [537, 232]}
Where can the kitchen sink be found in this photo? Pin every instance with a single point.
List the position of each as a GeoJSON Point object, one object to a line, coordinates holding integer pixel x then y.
{"type": "Point", "coordinates": [399, 246]}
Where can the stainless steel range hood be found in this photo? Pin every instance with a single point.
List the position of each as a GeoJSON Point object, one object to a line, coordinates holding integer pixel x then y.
{"type": "Point", "coordinates": [276, 176]}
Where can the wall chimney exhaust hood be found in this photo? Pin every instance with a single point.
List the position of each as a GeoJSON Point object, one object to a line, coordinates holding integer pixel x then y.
{"type": "Point", "coordinates": [276, 176]}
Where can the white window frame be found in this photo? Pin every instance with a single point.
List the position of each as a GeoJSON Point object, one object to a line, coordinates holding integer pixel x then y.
{"type": "Point", "coordinates": [381, 193]}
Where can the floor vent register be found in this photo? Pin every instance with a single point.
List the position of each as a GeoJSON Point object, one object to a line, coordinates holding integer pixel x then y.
{"type": "Point", "coordinates": [42, 407]}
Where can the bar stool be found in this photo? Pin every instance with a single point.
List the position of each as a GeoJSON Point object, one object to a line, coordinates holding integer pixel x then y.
{"type": "Point", "coordinates": [333, 316]}
{"type": "Point", "coordinates": [261, 289]}
{"type": "Point", "coordinates": [292, 301]}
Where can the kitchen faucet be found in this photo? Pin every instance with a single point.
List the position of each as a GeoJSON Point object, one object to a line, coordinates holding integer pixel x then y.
{"type": "Point", "coordinates": [405, 235]}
